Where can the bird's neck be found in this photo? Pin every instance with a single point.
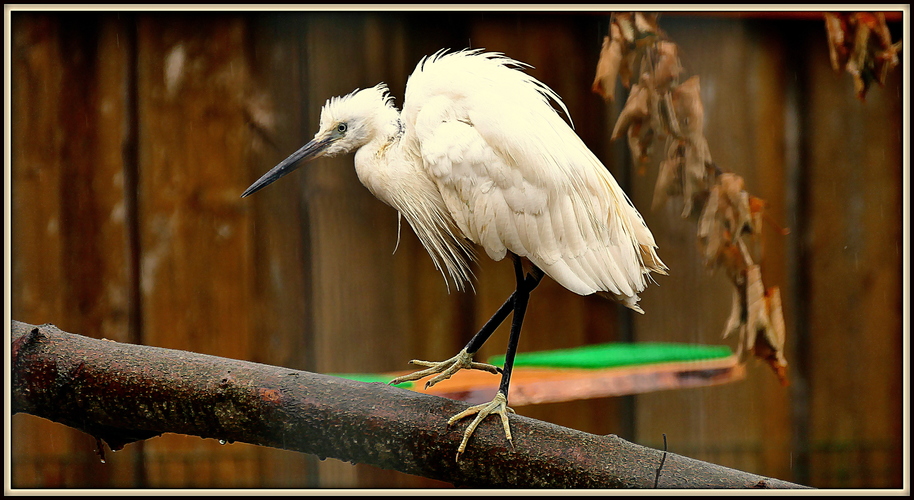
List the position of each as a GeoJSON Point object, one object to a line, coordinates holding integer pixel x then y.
{"type": "Point", "coordinates": [392, 169]}
{"type": "Point", "coordinates": [379, 163]}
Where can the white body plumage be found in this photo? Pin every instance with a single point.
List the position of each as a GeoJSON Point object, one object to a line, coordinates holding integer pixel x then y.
{"type": "Point", "coordinates": [480, 154]}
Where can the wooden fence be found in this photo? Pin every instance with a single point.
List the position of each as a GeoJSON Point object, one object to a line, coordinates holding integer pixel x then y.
{"type": "Point", "coordinates": [134, 134]}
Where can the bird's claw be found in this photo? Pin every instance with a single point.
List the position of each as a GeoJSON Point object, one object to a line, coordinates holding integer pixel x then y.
{"type": "Point", "coordinates": [498, 405]}
{"type": "Point", "coordinates": [444, 369]}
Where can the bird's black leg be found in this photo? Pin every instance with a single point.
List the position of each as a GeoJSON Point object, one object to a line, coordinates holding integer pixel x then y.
{"type": "Point", "coordinates": [499, 405]}
{"type": "Point", "coordinates": [464, 359]}
{"type": "Point", "coordinates": [489, 328]}
{"type": "Point", "coordinates": [498, 318]}
{"type": "Point", "coordinates": [525, 285]}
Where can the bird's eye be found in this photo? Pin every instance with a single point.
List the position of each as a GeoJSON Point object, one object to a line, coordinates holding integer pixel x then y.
{"type": "Point", "coordinates": [341, 128]}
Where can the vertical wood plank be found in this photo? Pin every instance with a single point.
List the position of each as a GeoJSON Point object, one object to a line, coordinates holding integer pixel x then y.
{"type": "Point", "coordinates": [854, 247]}
{"type": "Point", "coordinates": [357, 296]}
{"type": "Point", "coordinates": [37, 273]}
{"type": "Point", "coordinates": [352, 233]}
{"type": "Point", "coordinates": [767, 121]}
{"type": "Point", "coordinates": [196, 266]}
{"type": "Point", "coordinates": [69, 233]}
{"type": "Point", "coordinates": [740, 92]}
{"type": "Point", "coordinates": [279, 233]}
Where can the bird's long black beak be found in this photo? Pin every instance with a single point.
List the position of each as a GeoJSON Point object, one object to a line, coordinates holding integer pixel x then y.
{"type": "Point", "coordinates": [309, 151]}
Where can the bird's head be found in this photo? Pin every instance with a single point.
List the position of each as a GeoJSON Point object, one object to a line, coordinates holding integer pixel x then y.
{"type": "Point", "coordinates": [347, 123]}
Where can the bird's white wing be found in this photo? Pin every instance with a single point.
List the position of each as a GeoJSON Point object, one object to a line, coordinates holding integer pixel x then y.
{"type": "Point", "coordinates": [515, 177]}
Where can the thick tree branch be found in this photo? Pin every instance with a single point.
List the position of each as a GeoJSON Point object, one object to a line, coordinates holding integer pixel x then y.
{"type": "Point", "coordinates": [124, 393]}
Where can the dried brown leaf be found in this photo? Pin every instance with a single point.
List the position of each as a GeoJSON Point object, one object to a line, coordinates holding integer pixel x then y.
{"type": "Point", "coordinates": [732, 260]}
{"type": "Point", "coordinates": [669, 181]}
{"type": "Point", "coordinates": [688, 108]}
{"type": "Point", "coordinates": [857, 62]}
{"type": "Point", "coordinates": [695, 173]}
{"type": "Point", "coordinates": [885, 57]}
{"type": "Point", "coordinates": [882, 63]}
{"type": "Point", "coordinates": [867, 19]}
{"type": "Point", "coordinates": [635, 110]}
{"type": "Point", "coordinates": [836, 26]}
{"type": "Point", "coordinates": [625, 70]}
{"type": "Point", "coordinates": [640, 139]}
{"type": "Point", "coordinates": [725, 216]}
{"type": "Point", "coordinates": [664, 115]}
{"type": "Point", "coordinates": [769, 345]}
{"type": "Point", "coordinates": [708, 218]}
{"type": "Point", "coordinates": [736, 323]}
{"type": "Point", "coordinates": [881, 30]}
{"type": "Point", "coordinates": [626, 23]}
{"type": "Point", "coordinates": [861, 44]}
{"type": "Point", "coordinates": [604, 82]}
{"type": "Point", "coordinates": [710, 230]}
{"type": "Point", "coordinates": [668, 66]}
{"type": "Point", "coordinates": [646, 24]}
{"type": "Point", "coordinates": [756, 213]}
{"type": "Point", "coordinates": [756, 310]}
{"type": "Point", "coordinates": [739, 214]}
{"type": "Point", "coordinates": [756, 316]}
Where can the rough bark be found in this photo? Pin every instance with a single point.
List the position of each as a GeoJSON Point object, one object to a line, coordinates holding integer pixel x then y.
{"type": "Point", "coordinates": [124, 393]}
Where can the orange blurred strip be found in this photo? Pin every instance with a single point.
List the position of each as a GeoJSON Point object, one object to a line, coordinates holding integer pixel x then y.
{"type": "Point", "coordinates": [550, 385]}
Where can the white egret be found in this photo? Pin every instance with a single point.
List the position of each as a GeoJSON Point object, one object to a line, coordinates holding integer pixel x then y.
{"type": "Point", "coordinates": [480, 156]}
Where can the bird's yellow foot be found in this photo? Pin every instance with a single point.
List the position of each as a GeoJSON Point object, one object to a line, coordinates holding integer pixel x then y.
{"type": "Point", "coordinates": [498, 405]}
{"type": "Point", "coordinates": [444, 369]}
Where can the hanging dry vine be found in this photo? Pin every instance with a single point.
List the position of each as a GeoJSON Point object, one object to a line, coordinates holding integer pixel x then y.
{"type": "Point", "coordinates": [661, 109]}
{"type": "Point", "coordinates": [860, 43]}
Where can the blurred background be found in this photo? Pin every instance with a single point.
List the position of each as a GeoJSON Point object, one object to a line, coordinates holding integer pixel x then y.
{"type": "Point", "coordinates": [134, 134]}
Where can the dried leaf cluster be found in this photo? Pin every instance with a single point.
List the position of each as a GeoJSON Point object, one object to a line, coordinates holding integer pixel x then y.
{"type": "Point", "coordinates": [860, 43]}
{"type": "Point", "coordinates": [660, 108]}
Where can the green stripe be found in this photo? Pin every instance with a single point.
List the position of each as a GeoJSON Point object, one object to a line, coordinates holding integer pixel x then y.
{"type": "Point", "coordinates": [616, 354]}
{"type": "Point", "coordinates": [592, 357]}
{"type": "Point", "coordinates": [368, 377]}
